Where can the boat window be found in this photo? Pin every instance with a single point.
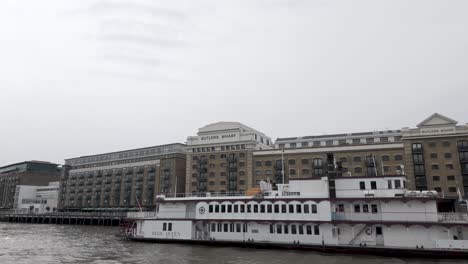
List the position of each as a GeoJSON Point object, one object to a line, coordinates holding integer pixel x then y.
{"type": "Point", "coordinates": [389, 184]}
{"type": "Point", "coordinates": [286, 229]}
{"type": "Point", "coordinates": [276, 208]}
{"type": "Point", "coordinates": [357, 208]}
{"type": "Point", "coordinates": [231, 227]}
{"type": "Point", "coordinates": [262, 208]}
{"type": "Point", "coordinates": [340, 208]}
{"type": "Point", "coordinates": [255, 208]}
{"type": "Point", "coordinates": [316, 230]}
{"type": "Point", "coordinates": [229, 208]}
{"type": "Point", "coordinates": [238, 228]}
{"type": "Point", "coordinates": [217, 208]}
{"type": "Point", "coordinates": [242, 208]}
{"type": "Point", "coordinates": [378, 230]}
{"type": "Point", "coordinates": [169, 227]}
{"type": "Point", "coordinates": [236, 208]}
{"type": "Point", "coordinates": [291, 208]}
{"type": "Point", "coordinates": [308, 229]}
{"type": "Point", "coordinates": [373, 185]}
{"type": "Point", "coordinates": [283, 209]}
{"type": "Point", "coordinates": [374, 208]}
{"type": "Point", "coordinates": [362, 185]}
{"type": "Point", "coordinates": [164, 226]}
{"type": "Point", "coordinates": [223, 208]}
{"type": "Point", "coordinates": [301, 229]}
{"type": "Point", "coordinates": [249, 208]}
{"type": "Point", "coordinates": [365, 208]}
{"type": "Point", "coordinates": [213, 227]}
{"type": "Point", "coordinates": [279, 229]}
{"type": "Point", "coordinates": [220, 227]}
{"type": "Point", "coordinates": [244, 228]}
{"type": "Point", "coordinates": [225, 228]}
{"type": "Point", "coordinates": [272, 229]}
{"type": "Point", "coordinates": [298, 208]}
{"type": "Point", "coordinates": [293, 229]}
{"type": "Point", "coordinates": [314, 208]}
{"type": "Point", "coordinates": [397, 184]}
{"type": "Point", "coordinates": [210, 208]}
{"type": "Point", "coordinates": [306, 208]}
{"type": "Point", "coordinates": [269, 208]}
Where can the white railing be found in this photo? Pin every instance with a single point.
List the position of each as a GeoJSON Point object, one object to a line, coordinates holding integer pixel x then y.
{"type": "Point", "coordinates": [136, 215]}
{"type": "Point", "coordinates": [453, 217]}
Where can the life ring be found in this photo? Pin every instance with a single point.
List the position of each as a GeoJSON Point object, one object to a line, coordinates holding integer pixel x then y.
{"type": "Point", "coordinates": [369, 231]}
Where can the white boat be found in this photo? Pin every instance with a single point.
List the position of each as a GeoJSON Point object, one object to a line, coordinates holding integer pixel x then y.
{"type": "Point", "coordinates": [360, 215]}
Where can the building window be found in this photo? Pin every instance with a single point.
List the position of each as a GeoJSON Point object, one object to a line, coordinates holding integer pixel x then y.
{"type": "Point", "coordinates": [385, 158]}
{"type": "Point", "coordinates": [432, 144]}
{"type": "Point", "coordinates": [292, 162]}
{"type": "Point", "coordinates": [386, 168]}
{"type": "Point", "coordinates": [268, 163]}
{"type": "Point", "coordinates": [433, 155]}
{"type": "Point", "coordinates": [258, 163]}
{"type": "Point", "coordinates": [438, 189]}
{"type": "Point", "coordinates": [357, 159]}
{"type": "Point", "coordinates": [292, 172]}
{"type": "Point", "coordinates": [343, 159]}
{"type": "Point", "coordinates": [305, 161]}
{"type": "Point", "coordinates": [452, 189]}
{"type": "Point", "coordinates": [305, 172]}
{"type": "Point", "coordinates": [358, 170]}
{"type": "Point", "coordinates": [451, 178]}
{"type": "Point", "coordinates": [449, 166]}
{"type": "Point", "coordinates": [435, 167]}
{"type": "Point", "coordinates": [446, 144]}
{"type": "Point", "coordinates": [398, 157]}
{"type": "Point", "coordinates": [419, 169]}
{"type": "Point", "coordinates": [417, 147]}
{"type": "Point", "coordinates": [436, 178]}
{"type": "Point", "coordinates": [418, 158]}
{"type": "Point", "coordinates": [448, 155]}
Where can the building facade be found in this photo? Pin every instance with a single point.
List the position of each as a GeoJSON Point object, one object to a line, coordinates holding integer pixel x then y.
{"type": "Point", "coordinates": [38, 173]}
{"type": "Point", "coordinates": [220, 158]}
{"type": "Point", "coordinates": [436, 156]}
{"type": "Point", "coordinates": [36, 199]}
{"type": "Point", "coordinates": [124, 179]}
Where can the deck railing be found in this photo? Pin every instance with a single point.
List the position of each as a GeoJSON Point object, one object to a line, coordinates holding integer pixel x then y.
{"type": "Point", "coordinates": [453, 217]}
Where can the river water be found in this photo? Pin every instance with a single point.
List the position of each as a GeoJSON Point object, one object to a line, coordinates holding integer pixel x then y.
{"type": "Point", "coordinates": [27, 243]}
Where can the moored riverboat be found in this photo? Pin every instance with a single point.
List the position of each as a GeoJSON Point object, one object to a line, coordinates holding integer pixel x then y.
{"type": "Point", "coordinates": [355, 215]}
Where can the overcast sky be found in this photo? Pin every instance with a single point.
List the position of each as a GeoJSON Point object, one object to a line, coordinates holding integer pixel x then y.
{"type": "Point", "coordinates": [92, 76]}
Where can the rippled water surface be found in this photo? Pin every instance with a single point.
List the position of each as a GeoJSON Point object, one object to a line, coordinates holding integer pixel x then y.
{"type": "Point", "coordinates": [25, 243]}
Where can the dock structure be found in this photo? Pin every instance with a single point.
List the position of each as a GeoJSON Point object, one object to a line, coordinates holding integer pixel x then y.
{"type": "Point", "coordinates": [66, 218]}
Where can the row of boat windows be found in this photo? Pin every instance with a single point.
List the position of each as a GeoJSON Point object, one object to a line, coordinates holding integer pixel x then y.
{"type": "Point", "coordinates": [359, 208]}
{"type": "Point", "coordinates": [167, 226]}
{"type": "Point", "coordinates": [274, 229]}
{"type": "Point", "coordinates": [295, 229]}
{"type": "Point", "coordinates": [263, 208]}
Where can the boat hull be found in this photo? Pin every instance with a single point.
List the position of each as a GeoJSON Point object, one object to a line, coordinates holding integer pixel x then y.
{"type": "Point", "coordinates": [364, 250]}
